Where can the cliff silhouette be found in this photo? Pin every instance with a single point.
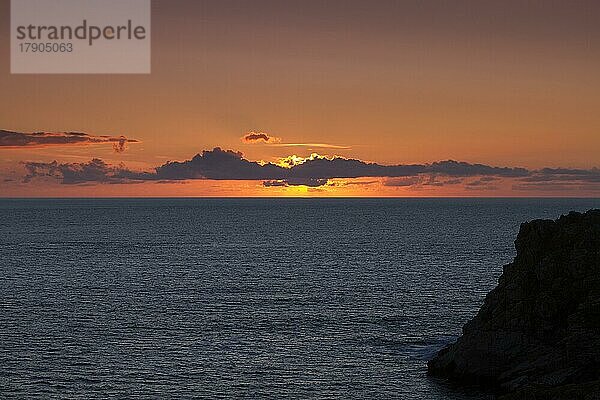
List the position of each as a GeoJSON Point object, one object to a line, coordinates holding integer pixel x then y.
{"type": "Point", "coordinates": [537, 334]}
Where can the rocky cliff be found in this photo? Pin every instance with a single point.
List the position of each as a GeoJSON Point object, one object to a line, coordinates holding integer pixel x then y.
{"type": "Point", "coordinates": [537, 334]}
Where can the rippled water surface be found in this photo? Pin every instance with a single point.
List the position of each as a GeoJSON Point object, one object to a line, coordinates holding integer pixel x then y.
{"type": "Point", "coordinates": [299, 298]}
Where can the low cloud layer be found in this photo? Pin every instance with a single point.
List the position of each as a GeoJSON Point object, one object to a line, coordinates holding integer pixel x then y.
{"type": "Point", "coordinates": [93, 171]}
{"type": "Point", "coordinates": [219, 164]}
{"type": "Point", "coordinates": [309, 182]}
{"type": "Point", "coordinates": [17, 140]}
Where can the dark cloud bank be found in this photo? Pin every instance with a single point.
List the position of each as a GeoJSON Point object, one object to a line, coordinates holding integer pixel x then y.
{"type": "Point", "coordinates": [9, 139]}
{"type": "Point", "coordinates": [218, 164]}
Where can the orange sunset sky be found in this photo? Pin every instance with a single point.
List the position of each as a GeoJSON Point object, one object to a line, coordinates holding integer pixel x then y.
{"type": "Point", "coordinates": [509, 90]}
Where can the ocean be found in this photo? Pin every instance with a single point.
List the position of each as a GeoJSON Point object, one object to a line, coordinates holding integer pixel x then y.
{"type": "Point", "coordinates": [246, 298]}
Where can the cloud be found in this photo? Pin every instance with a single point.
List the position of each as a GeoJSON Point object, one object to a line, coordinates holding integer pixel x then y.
{"type": "Point", "coordinates": [354, 183]}
{"type": "Point", "coordinates": [338, 167]}
{"type": "Point", "coordinates": [253, 137]}
{"type": "Point", "coordinates": [18, 140]}
{"type": "Point", "coordinates": [276, 183]}
{"type": "Point", "coordinates": [464, 169]}
{"type": "Point", "coordinates": [120, 145]}
{"type": "Point", "coordinates": [259, 137]}
{"type": "Point", "coordinates": [479, 182]}
{"type": "Point", "coordinates": [309, 182]}
{"type": "Point", "coordinates": [290, 161]}
{"type": "Point", "coordinates": [455, 181]}
{"type": "Point", "coordinates": [315, 145]}
{"type": "Point", "coordinates": [560, 179]}
{"type": "Point", "coordinates": [422, 180]}
{"type": "Point", "coordinates": [556, 187]}
{"type": "Point", "coordinates": [488, 178]}
{"type": "Point", "coordinates": [478, 185]}
{"type": "Point", "coordinates": [94, 171]}
{"type": "Point", "coordinates": [316, 171]}
{"type": "Point", "coordinates": [563, 174]}
{"type": "Point", "coordinates": [433, 181]}
{"type": "Point", "coordinates": [404, 181]}
{"type": "Point", "coordinates": [219, 164]}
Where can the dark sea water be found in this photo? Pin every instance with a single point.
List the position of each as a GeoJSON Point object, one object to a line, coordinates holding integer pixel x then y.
{"type": "Point", "coordinates": [263, 298]}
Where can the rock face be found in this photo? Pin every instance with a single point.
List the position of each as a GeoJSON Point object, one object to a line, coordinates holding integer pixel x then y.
{"type": "Point", "coordinates": [537, 334]}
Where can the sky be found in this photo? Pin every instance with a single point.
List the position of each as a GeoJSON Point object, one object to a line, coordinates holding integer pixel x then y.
{"type": "Point", "coordinates": [321, 98]}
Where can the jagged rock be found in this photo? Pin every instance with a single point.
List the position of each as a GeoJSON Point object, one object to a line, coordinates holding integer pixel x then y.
{"type": "Point", "coordinates": [537, 334]}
